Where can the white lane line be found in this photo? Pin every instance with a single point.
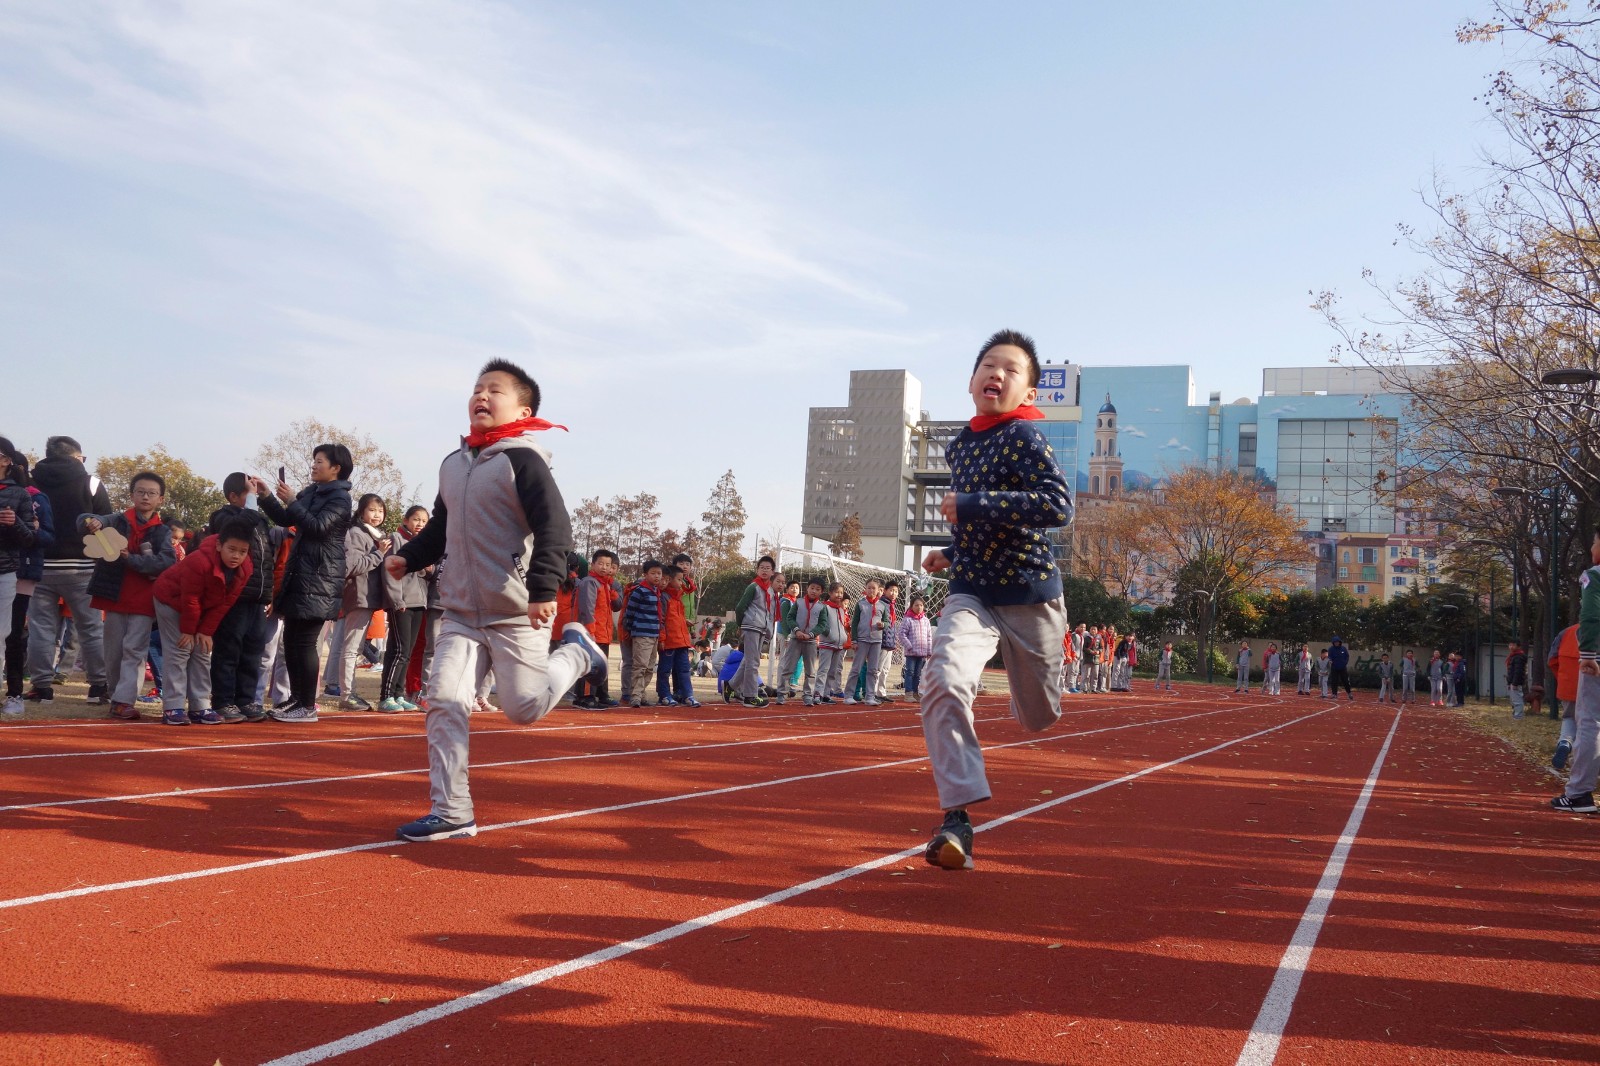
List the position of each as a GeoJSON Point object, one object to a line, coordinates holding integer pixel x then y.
{"type": "Point", "coordinates": [654, 721]}
{"type": "Point", "coordinates": [213, 790]}
{"type": "Point", "coordinates": [1267, 1033]}
{"type": "Point", "coordinates": [327, 853]}
{"type": "Point", "coordinates": [368, 1037]}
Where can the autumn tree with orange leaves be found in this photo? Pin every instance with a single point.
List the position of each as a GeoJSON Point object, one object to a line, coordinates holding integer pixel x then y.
{"type": "Point", "coordinates": [1209, 535]}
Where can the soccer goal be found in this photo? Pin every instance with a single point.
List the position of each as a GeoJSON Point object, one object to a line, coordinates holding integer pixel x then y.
{"type": "Point", "coordinates": [854, 576]}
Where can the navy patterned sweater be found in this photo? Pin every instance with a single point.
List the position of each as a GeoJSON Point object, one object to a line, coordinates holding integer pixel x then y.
{"type": "Point", "coordinates": [1009, 492]}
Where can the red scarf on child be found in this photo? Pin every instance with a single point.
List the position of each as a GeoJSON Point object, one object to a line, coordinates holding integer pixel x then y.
{"type": "Point", "coordinates": [476, 439]}
{"type": "Point", "coordinates": [136, 531]}
{"type": "Point", "coordinates": [1027, 411]}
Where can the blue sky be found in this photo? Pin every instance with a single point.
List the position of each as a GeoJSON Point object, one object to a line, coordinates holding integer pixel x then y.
{"type": "Point", "coordinates": [688, 221]}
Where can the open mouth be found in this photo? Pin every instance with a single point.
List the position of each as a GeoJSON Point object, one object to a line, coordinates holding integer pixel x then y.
{"type": "Point", "coordinates": [480, 409]}
{"type": "Point", "coordinates": [991, 390]}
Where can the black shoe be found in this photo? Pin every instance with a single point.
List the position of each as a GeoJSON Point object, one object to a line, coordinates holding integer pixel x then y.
{"type": "Point", "coordinates": [40, 695]}
{"type": "Point", "coordinates": [951, 846]}
{"type": "Point", "coordinates": [97, 695]}
{"type": "Point", "coordinates": [254, 713]}
{"type": "Point", "coordinates": [1583, 804]}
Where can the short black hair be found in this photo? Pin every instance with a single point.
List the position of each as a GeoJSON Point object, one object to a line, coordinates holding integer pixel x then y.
{"type": "Point", "coordinates": [604, 553]}
{"type": "Point", "coordinates": [649, 565]}
{"type": "Point", "coordinates": [235, 483]}
{"type": "Point", "coordinates": [527, 388]}
{"type": "Point", "coordinates": [413, 509]}
{"type": "Point", "coordinates": [890, 584]}
{"type": "Point", "coordinates": [769, 560]}
{"type": "Point", "coordinates": [62, 448]}
{"type": "Point", "coordinates": [682, 557]}
{"type": "Point", "coordinates": [237, 529]}
{"type": "Point", "coordinates": [670, 572]}
{"type": "Point", "coordinates": [19, 463]}
{"type": "Point", "coordinates": [337, 455]}
{"type": "Point", "coordinates": [1016, 340]}
{"type": "Point", "coordinates": [174, 522]}
{"type": "Point", "coordinates": [148, 475]}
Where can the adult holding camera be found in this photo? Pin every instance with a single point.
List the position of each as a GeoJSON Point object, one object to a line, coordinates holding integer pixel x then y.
{"type": "Point", "coordinates": [312, 592]}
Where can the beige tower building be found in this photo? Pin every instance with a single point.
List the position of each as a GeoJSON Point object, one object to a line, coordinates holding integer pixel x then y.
{"type": "Point", "coordinates": [1105, 462]}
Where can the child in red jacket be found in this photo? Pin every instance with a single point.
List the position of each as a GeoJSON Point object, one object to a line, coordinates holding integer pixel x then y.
{"type": "Point", "coordinates": [190, 600]}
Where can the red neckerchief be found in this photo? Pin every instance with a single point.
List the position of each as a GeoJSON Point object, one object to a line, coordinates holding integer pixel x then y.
{"type": "Point", "coordinates": [1027, 411]}
{"type": "Point", "coordinates": [766, 593]}
{"type": "Point", "coordinates": [811, 613]}
{"type": "Point", "coordinates": [475, 439]}
{"type": "Point", "coordinates": [136, 531]}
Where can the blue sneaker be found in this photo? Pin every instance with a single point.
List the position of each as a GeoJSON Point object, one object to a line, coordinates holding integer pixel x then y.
{"type": "Point", "coordinates": [574, 633]}
{"type": "Point", "coordinates": [951, 846]}
{"type": "Point", "coordinates": [432, 827]}
{"type": "Point", "coordinates": [1558, 761]}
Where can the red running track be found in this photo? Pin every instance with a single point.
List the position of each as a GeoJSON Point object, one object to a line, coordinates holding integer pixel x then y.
{"type": "Point", "coordinates": [743, 887]}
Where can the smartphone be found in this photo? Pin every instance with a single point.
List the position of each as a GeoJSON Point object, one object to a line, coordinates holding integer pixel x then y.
{"type": "Point", "coordinates": [283, 476]}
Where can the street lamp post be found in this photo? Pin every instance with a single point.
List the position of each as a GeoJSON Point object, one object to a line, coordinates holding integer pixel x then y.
{"type": "Point", "coordinates": [1489, 544]}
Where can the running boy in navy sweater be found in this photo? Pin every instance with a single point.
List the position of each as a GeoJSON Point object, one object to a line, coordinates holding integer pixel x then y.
{"type": "Point", "coordinates": [503, 523]}
{"type": "Point", "coordinates": [1006, 491]}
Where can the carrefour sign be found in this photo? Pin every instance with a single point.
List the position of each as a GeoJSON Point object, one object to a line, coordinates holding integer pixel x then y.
{"type": "Point", "coordinates": [1053, 391]}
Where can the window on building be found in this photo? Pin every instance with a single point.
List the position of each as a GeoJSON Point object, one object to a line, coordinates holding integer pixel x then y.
{"type": "Point", "coordinates": [1433, 581]}
{"type": "Point", "coordinates": [1344, 571]}
{"type": "Point", "coordinates": [1398, 582]}
{"type": "Point", "coordinates": [1361, 590]}
{"type": "Point", "coordinates": [1369, 555]}
{"type": "Point", "coordinates": [1347, 555]}
{"type": "Point", "coordinates": [1394, 551]}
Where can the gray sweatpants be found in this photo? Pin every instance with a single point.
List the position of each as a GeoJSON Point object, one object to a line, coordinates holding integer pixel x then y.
{"type": "Point", "coordinates": [1585, 764]}
{"type": "Point", "coordinates": [348, 649]}
{"type": "Point", "coordinates": [746, 681]}
{"type": "Point", "coordinates": [796, 652]}
{"type": "Point", "coordinates": [830, 671]}
{"type": "Point", "coordinates": [185, 672]}
{"type": "Point", "coordinates": [864, 668]}
{"type": "Point", "coordinates": [532, 679]}
{"type": "Point", "coordinates": [44, 622]}
{"type": "Point", "coordinates": [127, 643]}
{"type": "Point", "coordinates": [1029, 638]}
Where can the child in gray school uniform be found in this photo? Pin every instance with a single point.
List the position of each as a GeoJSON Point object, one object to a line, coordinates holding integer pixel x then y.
{"type": "Point", "coordinates": [1242, 667]}
{"type": "Point", "coordinates": [1324, 667]}
{"type": "Point", "coordinates": [1164, 667]}
{"type": "Point", "coordinates": [1007, 491]}
{"type": "Point", "coordinates": [1272, 671]}
{"type": "Point", "coordinates": [1302, 671]}
{"type": "Point", "coordinates": [1385, 679]}
{"type": "Point", "coordinates": [1408, 677]}
{"type": "Point", "coordinates": [497, 505]}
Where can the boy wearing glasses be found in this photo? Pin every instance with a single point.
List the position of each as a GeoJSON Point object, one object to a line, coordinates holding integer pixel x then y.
{"type": "Point", "coordinates": [123, 587]}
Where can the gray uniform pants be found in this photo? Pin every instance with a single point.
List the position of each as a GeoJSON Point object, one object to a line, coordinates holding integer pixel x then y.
{"type": "Point", "coordinates": [1029, 637]}
{"type": "Point", "coordinates": [795, 653]}
{"type": "Point", "coordinates": [1408, 688]}
{"type": "Point", "coordinates": [185, 672]}
{"type": "Point", "coordinates": [643, 661]}
{"type": "Point", "coordinates": [126, 642]}
{"type": "Point", "coordinates": [532, 679]}
{"type": "Point", "coordinates": [348, 650]}
{"type": "Point", "coordinates": [864, 669]}
{"type": "Point", "coordinates": [1586, 747]}
{"type": "Point", "coordinates": [274, 684]}
{"type": "Point", "coordinates": [747, 680]}
{"type": "Point", "coordinates": [830, 672]}
{"type": "Point", "coordinates": [44, 621]}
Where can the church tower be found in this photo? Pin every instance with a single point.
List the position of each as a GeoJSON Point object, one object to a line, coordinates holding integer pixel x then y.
{"type": "Point", "coordinates": [1105, 464]}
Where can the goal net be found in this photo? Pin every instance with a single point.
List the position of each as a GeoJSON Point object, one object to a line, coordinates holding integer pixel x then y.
{"type": "Point", "coordinates": [800, 565]}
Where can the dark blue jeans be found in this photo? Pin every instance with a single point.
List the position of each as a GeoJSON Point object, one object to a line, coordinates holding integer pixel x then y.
{"type": "Point", "coordinates": [236, 651]}
{"type": "Point", "coordinates": [913, 673]}
{"type": "Point", "coordinates": [672, 665]}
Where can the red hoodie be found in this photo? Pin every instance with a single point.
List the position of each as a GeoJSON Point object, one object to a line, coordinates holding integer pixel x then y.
{"type": "Point", "coordinates": [201, 589]}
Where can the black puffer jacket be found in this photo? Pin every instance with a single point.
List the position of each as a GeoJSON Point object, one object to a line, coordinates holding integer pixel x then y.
{"type": "Point", "coordinates": [313, 578]}
{"type": "Point", "coordinates": [259, 588]}
{"type": "Point", "coordinates": [17, 538]}
{"type": "Point", "coordinates": [72, 493]}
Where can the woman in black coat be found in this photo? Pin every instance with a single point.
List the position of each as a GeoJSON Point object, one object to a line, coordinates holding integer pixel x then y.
{"type": "Point", "coordinates": [313, 578]}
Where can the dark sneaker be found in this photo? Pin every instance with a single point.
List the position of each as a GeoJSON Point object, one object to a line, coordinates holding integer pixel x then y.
{"type": "Point", "coordinates": [229, 714]}
{"type": "Point", "coordinates": [127, 712]}
{"type": "Point", "coordinates": [174, 717]}
{"type": "Point", "coordinates": [355, 703]}
{"type": "Point", "coordinates": [755, 701]}
{"type": "Point", "coordinates": [432, 827]}
{"type": "Point", "coordinates": [97, 695]}
{"type": "Point", "coordinates": [40, 695]}
{"type": "Point", "coordinates": [254, 713]}
{"type": "Point", "coordinates": [1558, 761]}
{"type": "Point", "coordinates": [1583, 804]}
{"type": "Point", "coordinates": [294, 713]}
{"type": "Point", "coordinates": [951, 846]}
{"type": "Point", "coordinates": [574, 633]}
{"type": "Point", "coordinates": [205, 717]}
{"type": "Point", "coordinates": [636, 703]}
{"type": "Point", "coordinates": [331, 691]}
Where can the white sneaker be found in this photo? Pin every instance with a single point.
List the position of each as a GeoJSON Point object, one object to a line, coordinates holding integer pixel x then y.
{"type": "Point", "coordinates": [850, 699]}
{"type": "Point", "coordinates": [13, 707]}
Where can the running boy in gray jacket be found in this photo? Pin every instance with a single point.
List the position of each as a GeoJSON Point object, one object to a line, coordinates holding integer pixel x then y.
{"type": "Point", "coordinates": [508, 547]}
{"type": "Point", "coordinates": [1006, 492]}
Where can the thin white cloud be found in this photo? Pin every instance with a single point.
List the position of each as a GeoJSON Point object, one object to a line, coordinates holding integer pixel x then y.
{"type": "Point", "coordinates": [1134, 431]}
{"type": "Point", "coordinates": [472, 138]}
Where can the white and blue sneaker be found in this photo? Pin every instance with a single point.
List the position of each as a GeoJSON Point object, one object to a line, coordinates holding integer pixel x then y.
{"type": "Point", "coordinates": [432, 827]}
{"type": "Point", "coordinates": [574, 633]}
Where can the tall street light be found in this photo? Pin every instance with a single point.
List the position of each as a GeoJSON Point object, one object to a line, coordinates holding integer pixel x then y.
{"type": "Point", "coordinates": [1480, 543]}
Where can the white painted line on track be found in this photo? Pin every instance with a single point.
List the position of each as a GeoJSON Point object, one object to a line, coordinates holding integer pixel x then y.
{"type": "Point", "coordinates": [1267, 1033]}
{"type": "Point", "coordinates": [181, 793]}
{"type": "Point", "coordinates": [327, 853]}
{"type": "Point", "coordinates": [377, 1034]}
